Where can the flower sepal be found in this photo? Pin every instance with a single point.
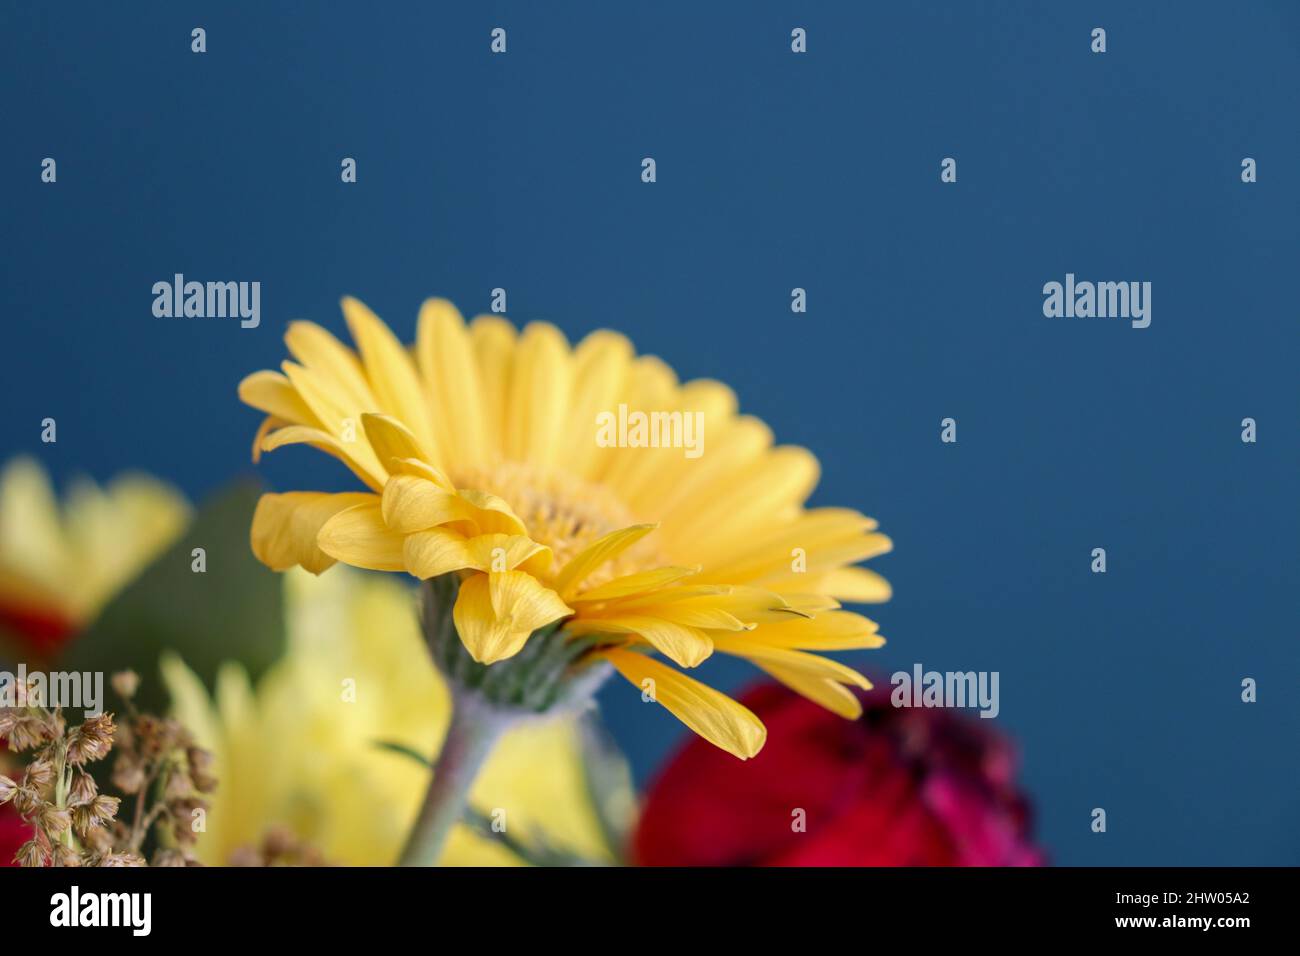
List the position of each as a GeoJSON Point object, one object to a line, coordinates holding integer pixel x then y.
{"type": "Point", "coordinates": [551, 671]}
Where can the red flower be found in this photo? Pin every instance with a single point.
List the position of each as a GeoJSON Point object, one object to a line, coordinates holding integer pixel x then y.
{"type": "Point", "coordinates": [13, 834]}
{"type": "Point", "coordinates": [898, 787]}
{"type": "Point", "coordinates": [43, 632]}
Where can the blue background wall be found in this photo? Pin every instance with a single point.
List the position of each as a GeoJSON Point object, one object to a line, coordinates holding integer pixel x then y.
{"type": "Point", "coordinates": [775, 171]}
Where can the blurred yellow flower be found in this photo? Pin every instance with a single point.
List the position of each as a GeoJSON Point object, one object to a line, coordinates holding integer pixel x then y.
{"type": "Point", "coordinates": [491, 455]}
{"type": "Point", "coordinates": [60, 564]}
{"type": "Point", "coordinates": [300, 750]}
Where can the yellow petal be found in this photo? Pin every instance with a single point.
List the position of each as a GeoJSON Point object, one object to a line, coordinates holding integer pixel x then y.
{"type": "Point", "coordinates": [274, 394]}
{"type": "Point", "coordinates": [825, 537]}
{"type": "Point", "coordinates": [633, 584]}
{"type": "Point", "coordinates": [495, 614]}
{"type": "Point", "coordinates": [317, 349]}
{"type": "Point", "coordinates": [597, 553]}
{"type": "Point", "coordinates": [389, 372]}
{"type": "Point", "coordinates": [442, 550]}
{"type": "Point", "coordinates": [285, 527]}
{"type": "Point", "coordinates": [519, 599]}
{"type": "Point", "coordinates": [302, 435]}
{"type": "Point", "coordinates": [812, 665]}
{"type": "Point", "coordinates": [693, 614]}
{"type": "Point", "coordinates": [601, 363]}
{"type": "Point", "coordinates": [428, 554]}
{"type": "Point", "coordinates": [714, 716]}
{"type": "Point", "coordinates": [684, 645]}
{"type": "Point", "coordinates": [390, 440]}
{"type": "Point", "coordinates": [539, 395]}
{"type": "Point", "coordinates": [778, 483]}
{"type": "Point", "coordinates": [859, 585]}
{"type": "Point", "coordinates": [329, 403]}
{"type": "Point", "coordinates": [835, 697]}
{"type": "Point", "coordinates": [445, 357]}
{"type": "Point", "coordinates": [806, 605]}
{"type": "Point", "coordinates": [493, 339]}
{"type": "Point", "coordinates": [421, 469]}
{"type": "Point", "coordinates": [359, 537]}
{"type": "Point", "coordinates": [492, 515]}
{"type": "Point", "coordinates": [827, 631]}
{"type": "Point", "coordinates": [780, 577]}
{"type": "Point", "coordinates": [742, 442]}
{"type": "Point", "coordinates": [503, 552]}
{"type": "Point", "coordinates": [269, 424]}
{"type": "Point", "coordinates": [414, 504]}
{"type": "Point", "coordinates": [708, 605]}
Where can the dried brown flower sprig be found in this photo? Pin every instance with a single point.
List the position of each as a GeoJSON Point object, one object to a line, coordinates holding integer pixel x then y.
{"type": "Point", "coordinates": [279, 847]}
{"type": "Point", "coordinates": [157, 763]}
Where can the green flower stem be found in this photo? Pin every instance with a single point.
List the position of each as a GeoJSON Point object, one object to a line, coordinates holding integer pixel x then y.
{"type": "Point", "coordinates": [62, 787]}
{"type": "Point", "coordinates": [473, 733]}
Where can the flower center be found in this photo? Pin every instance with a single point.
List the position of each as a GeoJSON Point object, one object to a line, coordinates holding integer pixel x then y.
{"type": "Point", "coordinates": [562, 512]}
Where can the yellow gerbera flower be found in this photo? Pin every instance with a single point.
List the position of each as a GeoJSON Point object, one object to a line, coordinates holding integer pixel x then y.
{"type": "Point", "coordinates": [60, 565]}
{"type": "Point", "coordinates": [478, 449]}
{"type": "Point", "coordinates": [299, 752]}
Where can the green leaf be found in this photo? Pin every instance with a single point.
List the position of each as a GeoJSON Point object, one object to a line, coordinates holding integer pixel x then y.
{"type": "Point", "coordinates": [232, 611]}
{"type": "Point", "coordinates": [537, 851]}
{"type": "Point", "coordinates": [405, 751]}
